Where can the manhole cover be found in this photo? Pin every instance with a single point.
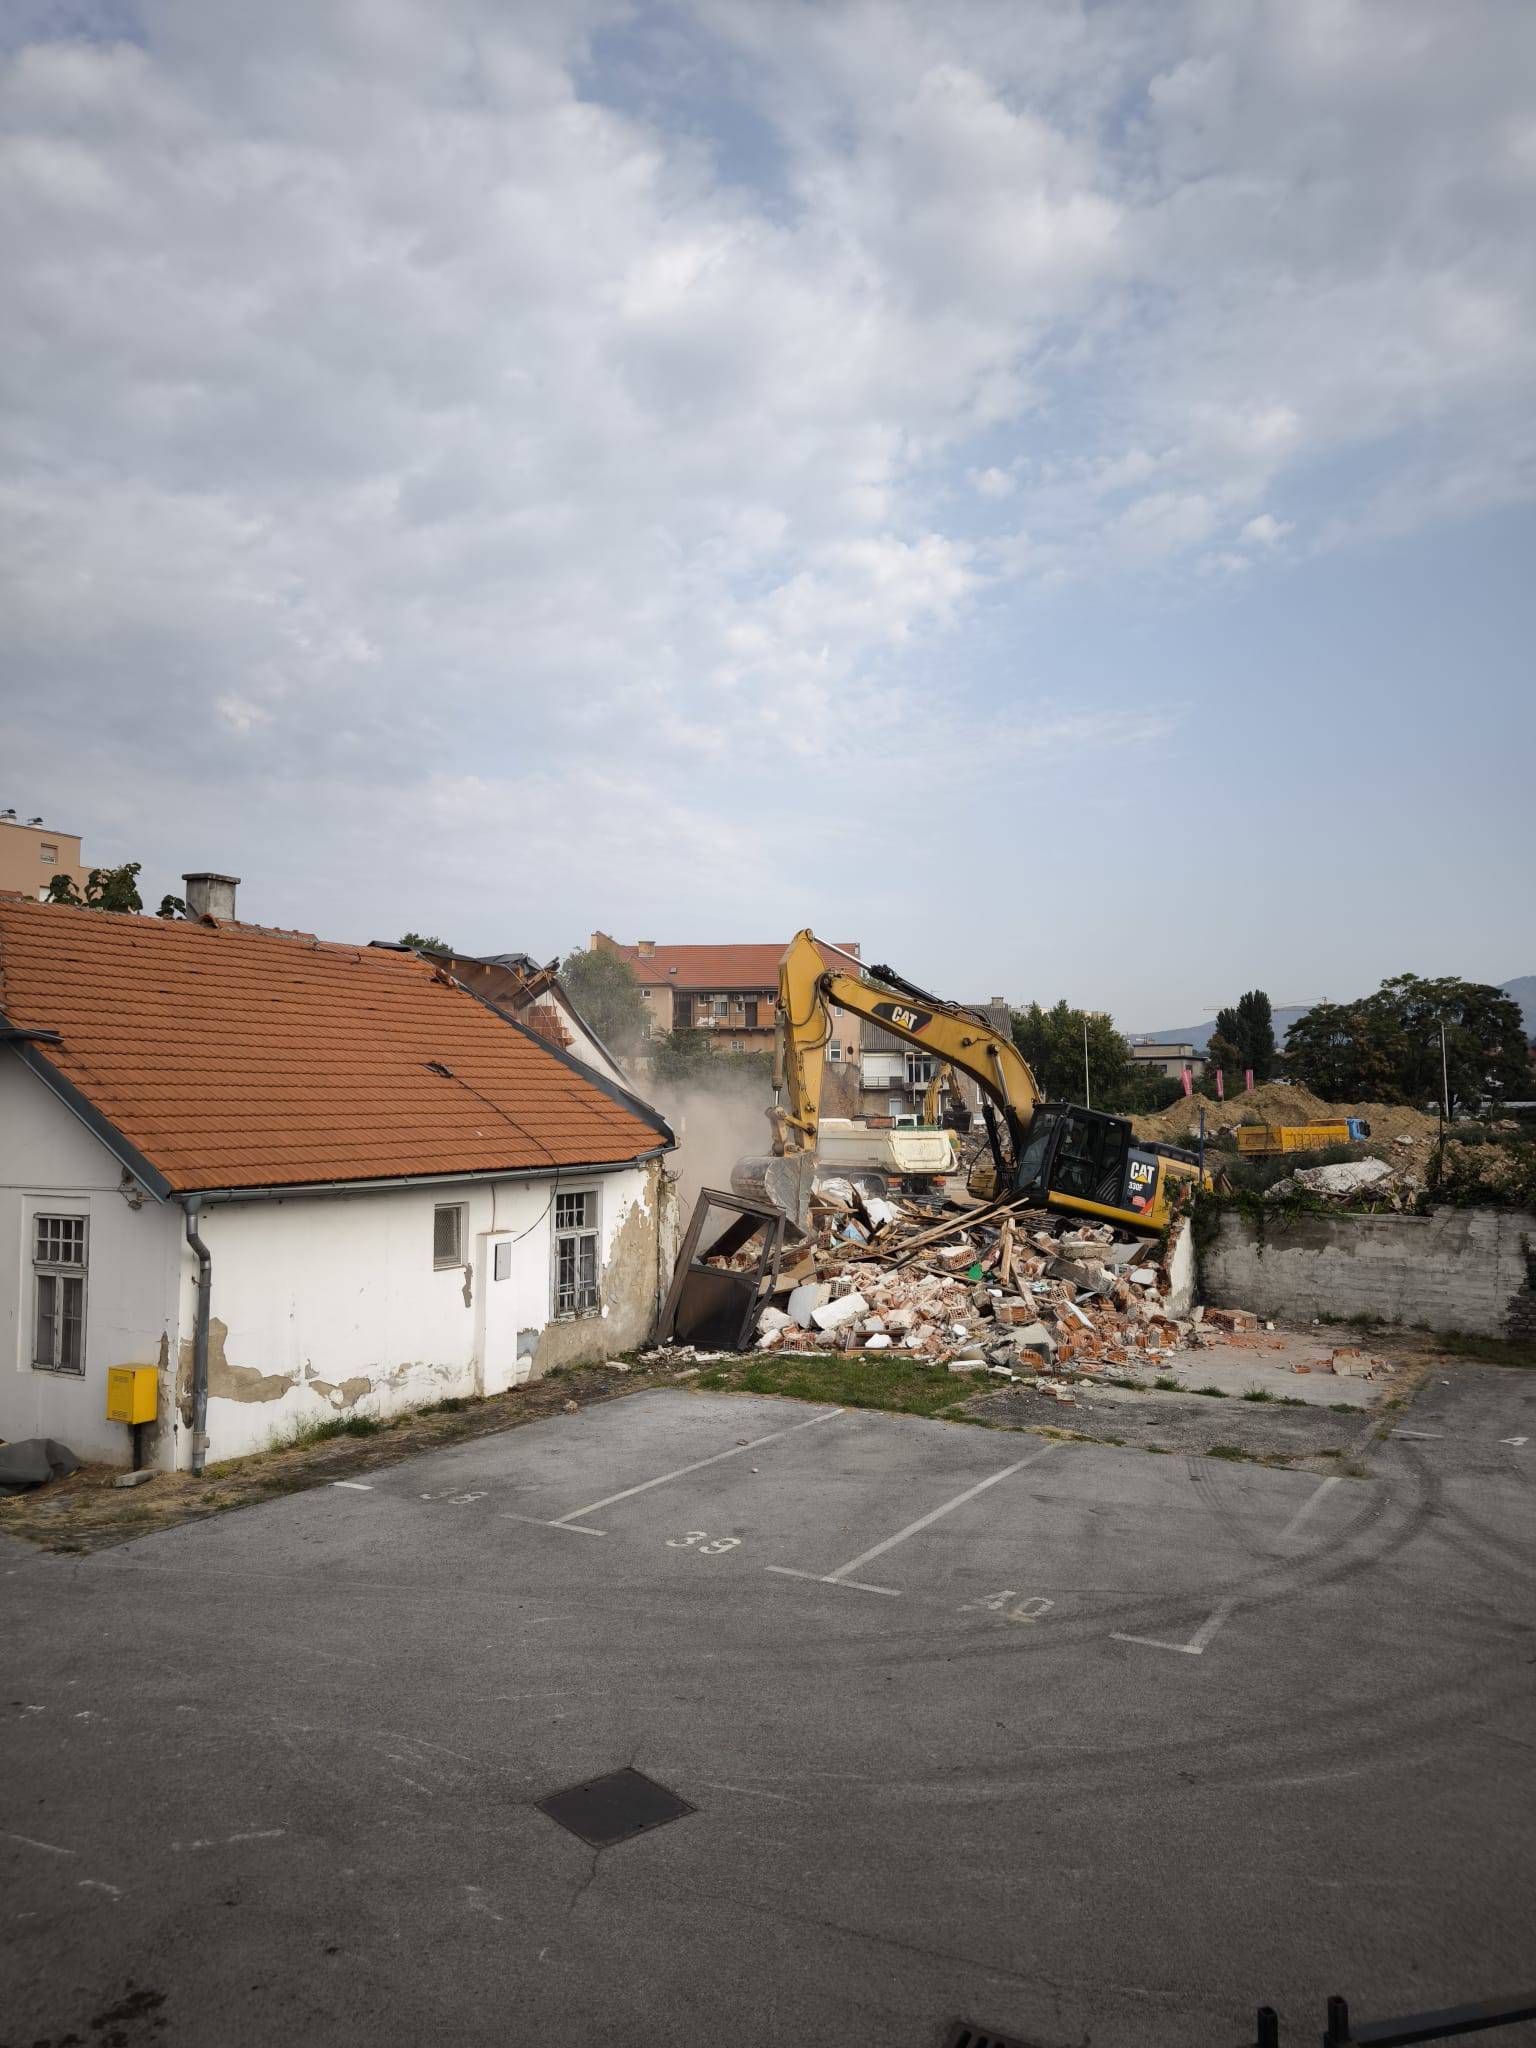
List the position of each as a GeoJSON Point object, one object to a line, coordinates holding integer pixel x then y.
{"type": "Point", "coordinates": [614, 1807]}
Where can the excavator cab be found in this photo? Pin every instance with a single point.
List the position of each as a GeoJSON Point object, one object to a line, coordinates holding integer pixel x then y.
{"type": "Point", "coordinates": [1076, 1158]}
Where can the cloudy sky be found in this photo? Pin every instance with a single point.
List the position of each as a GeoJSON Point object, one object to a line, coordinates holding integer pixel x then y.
{"type": "Point", "coordinates": [1042, 489]}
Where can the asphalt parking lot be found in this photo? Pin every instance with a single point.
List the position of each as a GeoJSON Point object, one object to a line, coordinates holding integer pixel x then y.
{"type": "Point", "coordinates": [1062, 1739]}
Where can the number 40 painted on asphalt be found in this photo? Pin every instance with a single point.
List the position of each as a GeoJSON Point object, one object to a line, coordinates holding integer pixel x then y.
{"type": "Point", "coordinates": [1010, 1606]}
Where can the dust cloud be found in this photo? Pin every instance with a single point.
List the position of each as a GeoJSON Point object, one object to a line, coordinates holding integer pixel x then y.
{"type": "Point", "coordinates": [715, 1125]}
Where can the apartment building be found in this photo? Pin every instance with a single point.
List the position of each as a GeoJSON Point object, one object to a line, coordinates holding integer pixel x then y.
{"type": "Point", "coordinates": [32, 853]}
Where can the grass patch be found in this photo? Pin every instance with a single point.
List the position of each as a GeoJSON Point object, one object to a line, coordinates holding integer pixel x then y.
{"type": "Point", "coordinates": [1258, 1394]}
{"type": "Point", "coordinates": [1167, 1386]}
{"type": "Point", "coordinates": [1330, 1454]}
{"type": "Point", "coordinates": [1290, 1401]}
{"type": "Point", "coordinates": [1341, 1408]}
{"type": "Point", "coordinates": [1226, 1451]}
{"type": "Point", "coordinates": [854, 1379]}
{"type": "Point", "coordinates": [1213, 1393]}
{"type": "Point", "coordinates": [1490, 1350]}
{"type": "Point", "coordinates": [321, 1429]}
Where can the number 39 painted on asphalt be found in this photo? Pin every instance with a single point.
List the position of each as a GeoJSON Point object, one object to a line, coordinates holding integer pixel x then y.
{"type": "Point", "coordinates": [709, 1546]}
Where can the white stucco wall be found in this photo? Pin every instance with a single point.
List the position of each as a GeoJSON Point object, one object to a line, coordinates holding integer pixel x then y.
{"type": "Point", "coordinates": [321, 1304]}
{"type": "Point", "coordinates": [49, 1162]}
{"type": "Point", "coordinates": [330, 1304]}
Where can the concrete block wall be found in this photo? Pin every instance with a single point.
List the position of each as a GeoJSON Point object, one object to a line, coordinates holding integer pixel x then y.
{"type": "Point", "coordinates": [1469, 1270]}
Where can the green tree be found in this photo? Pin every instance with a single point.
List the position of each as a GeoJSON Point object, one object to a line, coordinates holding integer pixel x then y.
{"type": "Point", "coordinates": [1244, 1040]}
{"type": "Point", "coordinates": [1052, 1041]}
{"type": "Point", "coordinates": [1256, 1034]}
{"type": "Point", "coordinates": [105, 889]}
{"type": "Point", "coordinates": [1386, 1047]}
{"type": "Point", "coordinates": [690, 1055]}
{"type": "Point", "coordinates": [605, 991]}
{"type": "Point", "coordinates": [424, 945]}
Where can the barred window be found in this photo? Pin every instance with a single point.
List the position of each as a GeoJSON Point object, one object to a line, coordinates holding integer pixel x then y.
{"type": "Point", "coordinates": [448, 1234]}
{"type": "Point", "coordinates": [58, 1294]}
{"type": "Point", "coordinates": [575, 1253]}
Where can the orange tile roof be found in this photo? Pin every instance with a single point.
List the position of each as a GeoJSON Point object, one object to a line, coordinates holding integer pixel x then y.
{"type": "Point", "coordinates": [716, 967]}
{"type": "Point", "coordinates": [235, 1056]}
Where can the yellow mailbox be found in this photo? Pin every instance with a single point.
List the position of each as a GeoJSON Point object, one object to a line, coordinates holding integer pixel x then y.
{"type": "Point", "coordinates": [131, 1393]}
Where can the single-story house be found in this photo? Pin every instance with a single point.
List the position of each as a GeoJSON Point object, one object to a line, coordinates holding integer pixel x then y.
{"type": "Point", "coordinates": [296, 1179]}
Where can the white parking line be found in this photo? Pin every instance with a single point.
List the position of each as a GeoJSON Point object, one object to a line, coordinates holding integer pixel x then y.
{"type": "Point", "coordinates": [1306, 1508]}
{"type": "Point", "coordinates": [572, 1520]}
{"type": "Point", "coordinates": [1197, 1641]}
{"type": "Point", "coordinates": [841, 1576]}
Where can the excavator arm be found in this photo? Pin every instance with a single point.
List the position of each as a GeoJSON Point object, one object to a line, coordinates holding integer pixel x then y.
{"type": "Point", "coordinates": [808, 992]}
{"type": "Point", "coordinates": [1067, 1157]}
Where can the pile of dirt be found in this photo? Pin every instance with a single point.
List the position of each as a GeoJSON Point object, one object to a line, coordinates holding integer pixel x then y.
{"type": "Point", "coordinates": [1273, 1103]}
{"type": "Point", "coordinates": [1409, 1133]}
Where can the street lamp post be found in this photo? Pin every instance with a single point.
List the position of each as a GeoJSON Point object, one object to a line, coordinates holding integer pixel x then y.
{"type": "Point", "coordinates": [1087, 1085]}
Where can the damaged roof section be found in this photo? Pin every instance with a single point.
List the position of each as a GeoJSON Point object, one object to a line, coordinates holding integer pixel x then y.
{"type": "Point", "coordinates": [229, 1055]}
{"type": "Point", "coordinates": [707, 967]}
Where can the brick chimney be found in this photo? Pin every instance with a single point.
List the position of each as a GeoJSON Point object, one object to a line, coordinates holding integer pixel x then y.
{"type": "Point", "coordinates": [646, 948]}
{"type": "Point", "coordinates": [211, 895]}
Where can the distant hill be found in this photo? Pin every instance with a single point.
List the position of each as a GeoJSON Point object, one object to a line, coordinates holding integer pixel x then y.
{"type": "Point", "coordinates": [1522, 988]}
{"type": "Point", "coordinates": [1198, 1035]}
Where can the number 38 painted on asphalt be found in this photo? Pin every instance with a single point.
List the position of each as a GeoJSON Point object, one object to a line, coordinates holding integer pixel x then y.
{"type": "Point", "coordinates": [708, 1546]}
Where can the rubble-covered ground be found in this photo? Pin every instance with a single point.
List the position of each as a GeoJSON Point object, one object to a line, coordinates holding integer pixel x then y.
{"type": "Point", "coordinates": [1001, 1285]}
{"type": "Point", "coordinates": [1009, 1314]}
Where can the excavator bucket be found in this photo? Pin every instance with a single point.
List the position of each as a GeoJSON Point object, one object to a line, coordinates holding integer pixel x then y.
{"type": "Point", "coordinates": [784, 1182]}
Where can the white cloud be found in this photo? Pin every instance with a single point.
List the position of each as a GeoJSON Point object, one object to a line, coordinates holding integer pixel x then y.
{"type": "Point", "coordinates": [1266, 530]}
{"type": "Point", "coordinates": [383, 389]}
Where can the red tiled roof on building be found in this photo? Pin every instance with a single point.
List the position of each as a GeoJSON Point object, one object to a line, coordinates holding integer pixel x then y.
{"type": "Point", "coordinates": [230, 1055]}
{"type": "Point", "coordinates": [710, 967]}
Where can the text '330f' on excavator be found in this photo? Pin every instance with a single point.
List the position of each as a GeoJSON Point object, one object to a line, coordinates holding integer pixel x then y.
{"type": "Point", "coordinates": [1054, 1153]}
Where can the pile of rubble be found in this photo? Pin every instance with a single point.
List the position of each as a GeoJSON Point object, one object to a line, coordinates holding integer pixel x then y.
{"type": "Point", "coordinates": [1349, 1181]}
{"type": "Point", "coordinates": [1003, 1286]}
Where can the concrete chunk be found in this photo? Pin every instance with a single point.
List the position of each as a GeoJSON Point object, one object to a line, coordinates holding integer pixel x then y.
{"type": "Point", "coordinates": [805, 1299]}
{"type": "Point", "coordinates": [846, 1309]}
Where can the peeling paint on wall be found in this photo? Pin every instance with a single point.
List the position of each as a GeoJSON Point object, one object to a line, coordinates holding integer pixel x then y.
{"type": "Point", "coordinates": [628, 1291]}
{"type": "Point", "coordinates": [345, 1395]}
{"type": "Point", "coordinates": [226, 1382]}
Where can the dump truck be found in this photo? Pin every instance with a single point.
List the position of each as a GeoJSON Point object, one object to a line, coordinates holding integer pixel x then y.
{"type": "Point", "coordinates": [1257, 1141]}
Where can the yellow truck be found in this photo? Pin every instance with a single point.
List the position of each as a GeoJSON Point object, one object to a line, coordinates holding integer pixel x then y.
{"type": "Point", "coordinates": [1257, 1141]}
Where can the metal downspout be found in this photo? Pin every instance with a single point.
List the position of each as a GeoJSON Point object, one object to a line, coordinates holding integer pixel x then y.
{"type": "Point", "coordinates": [192, 1204]}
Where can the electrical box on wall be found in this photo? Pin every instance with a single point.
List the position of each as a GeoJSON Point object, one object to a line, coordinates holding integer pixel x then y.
{"type": "Point", "coordinates": [131, 1393]}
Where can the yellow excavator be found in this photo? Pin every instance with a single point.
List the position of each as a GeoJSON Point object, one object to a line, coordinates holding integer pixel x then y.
{"type": "Point", "coordinates": [1056, 1153]}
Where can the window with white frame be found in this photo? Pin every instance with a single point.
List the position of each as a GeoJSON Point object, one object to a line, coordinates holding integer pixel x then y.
{"type": "Point", "coordinates": [447, 1235]}
{"type": "Point", "coordinates": [58, 1293]}
{"type": "Point", "coordinates": [575, 1274]}
{"type": "Point", "coordinates": [919, 1069]}
{"type": "Point", "coordinates": [834, 1050]}
{"type": "Point", "coordinates": [722, 1006]}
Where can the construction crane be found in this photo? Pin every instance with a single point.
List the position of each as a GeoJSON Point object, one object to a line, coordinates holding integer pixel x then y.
{"type": "Point", "coordinates": [1056, 1153]}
